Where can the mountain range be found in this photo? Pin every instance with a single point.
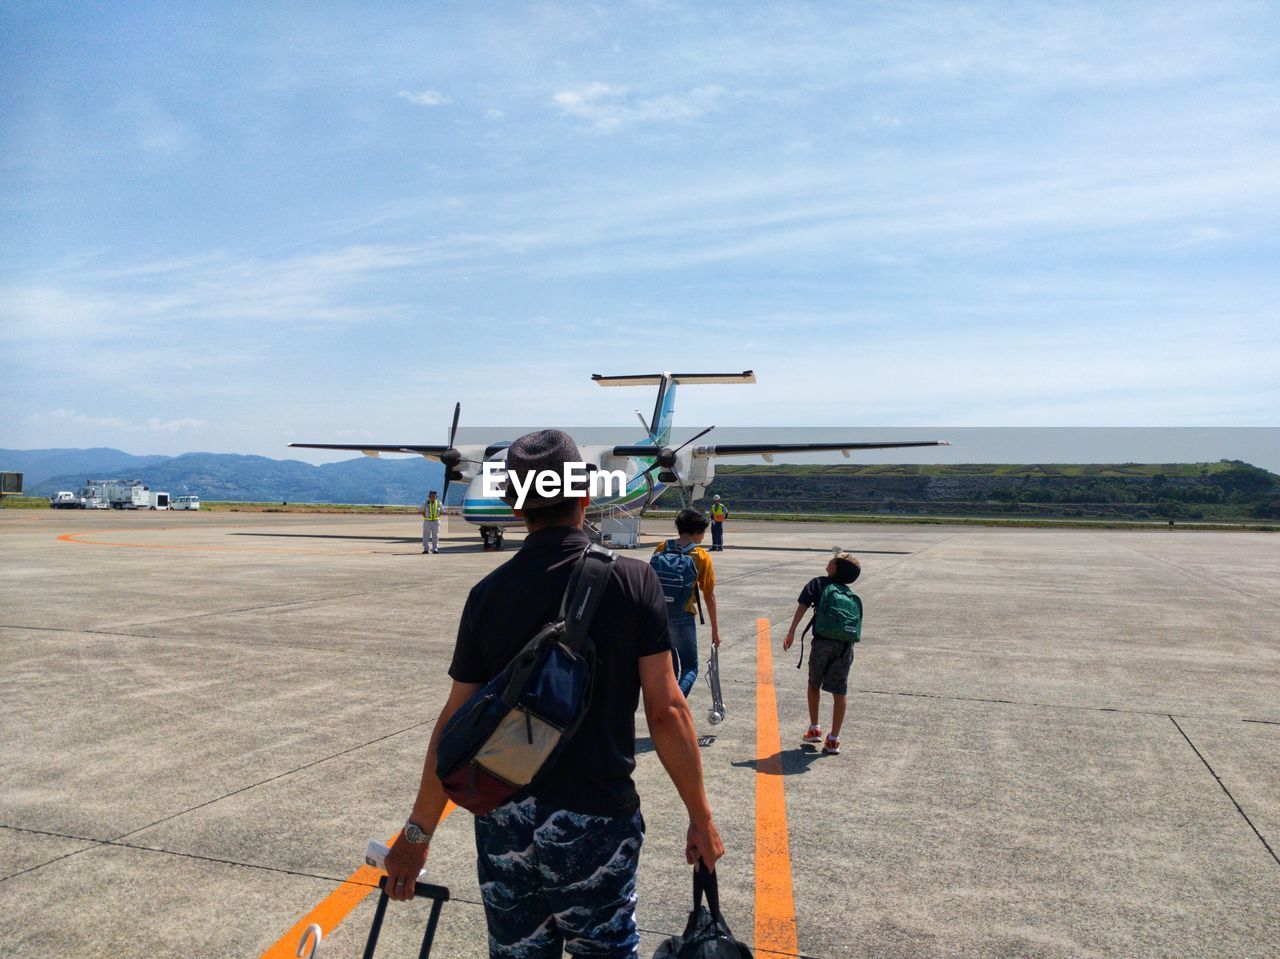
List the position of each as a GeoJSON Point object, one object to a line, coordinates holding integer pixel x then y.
{"type": "Point", "coordinates": [231, 477]}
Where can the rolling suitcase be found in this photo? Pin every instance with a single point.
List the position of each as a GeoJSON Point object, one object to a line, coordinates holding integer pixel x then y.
{"type": "Point", "coordinates": [438, 895]}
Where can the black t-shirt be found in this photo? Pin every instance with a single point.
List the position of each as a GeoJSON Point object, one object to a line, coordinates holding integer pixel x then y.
{"type": "Point", "coordinates": [812, 591]}
{"type": "Point", "coordinates": [506, 608]}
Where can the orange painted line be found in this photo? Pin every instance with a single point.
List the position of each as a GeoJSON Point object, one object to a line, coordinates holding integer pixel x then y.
{"type": "Point", "coordinates": [335, 907]}
{"type": "Point", "coordinates": [775, 900]}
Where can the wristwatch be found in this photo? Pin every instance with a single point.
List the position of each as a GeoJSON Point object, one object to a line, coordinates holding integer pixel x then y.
{"type": "Point", "coordinates": [415, 834]}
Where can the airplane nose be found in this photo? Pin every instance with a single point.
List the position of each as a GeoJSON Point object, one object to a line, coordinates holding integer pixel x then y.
{"type": "Point", "coordinates": [475, 491]}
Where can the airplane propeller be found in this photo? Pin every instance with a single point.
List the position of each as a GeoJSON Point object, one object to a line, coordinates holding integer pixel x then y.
{"type": "Point", "coordinates": [452, 457]}
{"type": "Point", "coordinates": [666, 459]}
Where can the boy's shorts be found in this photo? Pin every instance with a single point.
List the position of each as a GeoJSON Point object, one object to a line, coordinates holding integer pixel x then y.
{"type": "Point", "coordinates": [829, 664]}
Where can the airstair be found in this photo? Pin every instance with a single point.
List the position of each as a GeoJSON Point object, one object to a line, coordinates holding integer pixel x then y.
{"type": "Point", "coordinates": [615, 528]}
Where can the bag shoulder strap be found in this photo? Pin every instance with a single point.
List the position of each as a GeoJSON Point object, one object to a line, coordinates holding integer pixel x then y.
{"type": "Point", "coordinates": [809, 628]}
{"type": "Point", "coordinates": [582, 595]}
{"type": "Point", "coordinates": [697, 593]}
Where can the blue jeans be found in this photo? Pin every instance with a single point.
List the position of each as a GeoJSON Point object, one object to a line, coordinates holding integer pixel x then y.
{"type": "Point", "coordinates": [684, 652]}
{"type": "Point", "coordinates": [553, 880]}
{"type": "Point", "coordinates": [717, 534]}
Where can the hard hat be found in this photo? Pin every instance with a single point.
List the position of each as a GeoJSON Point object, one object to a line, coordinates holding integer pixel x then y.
{"type": "Point", "coordinates": [716, 497]}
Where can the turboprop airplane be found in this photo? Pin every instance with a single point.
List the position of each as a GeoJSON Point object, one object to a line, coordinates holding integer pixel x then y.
{"type": "Point", "coordinates": [650, 465]}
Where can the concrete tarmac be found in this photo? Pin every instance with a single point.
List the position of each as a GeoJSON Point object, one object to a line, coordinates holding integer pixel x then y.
{"type": "Point", "coordinates": [1059, 742]}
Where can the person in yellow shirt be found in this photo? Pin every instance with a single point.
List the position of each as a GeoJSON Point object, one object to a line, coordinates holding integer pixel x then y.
{"type": "Point", "coordinates": [431, 511]}
{"type": "Point", "coordinates": [685, 572]}
{"type": "Point", "coordinates": [719, 513]}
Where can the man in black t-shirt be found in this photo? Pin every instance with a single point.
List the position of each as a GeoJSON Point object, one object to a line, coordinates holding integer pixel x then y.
{"type": "Point", "coordinates": [557, 863]}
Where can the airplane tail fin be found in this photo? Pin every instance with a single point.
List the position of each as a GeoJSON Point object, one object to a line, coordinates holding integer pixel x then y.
{"type": "Point", "coordinates": [664, 407]}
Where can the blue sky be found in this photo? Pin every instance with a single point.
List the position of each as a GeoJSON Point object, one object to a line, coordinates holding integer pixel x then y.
{"type": "Point", "coordinates": [229, 226]}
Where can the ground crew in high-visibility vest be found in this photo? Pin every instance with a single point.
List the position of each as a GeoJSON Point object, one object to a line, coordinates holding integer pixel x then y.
{"type": "Point", "coordinates": [430, 511]}
{"type": "Point", "coordinates": [719, 513]}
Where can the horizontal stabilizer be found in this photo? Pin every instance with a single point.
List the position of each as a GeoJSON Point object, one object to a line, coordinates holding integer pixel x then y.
{"type": "Point", "coordinates": [655, 379]}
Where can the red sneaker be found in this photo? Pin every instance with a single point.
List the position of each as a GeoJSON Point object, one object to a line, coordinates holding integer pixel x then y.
{"type": "Point", "coordinates": [831, 747]}
{"type": "Point", "coordinates": [814, 735]}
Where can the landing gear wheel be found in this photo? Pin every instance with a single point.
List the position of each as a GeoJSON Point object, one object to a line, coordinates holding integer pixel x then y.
{"type": "Point", "coordinates": [492, 537]}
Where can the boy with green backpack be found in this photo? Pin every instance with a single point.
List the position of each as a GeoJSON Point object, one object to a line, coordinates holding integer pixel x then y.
{"type": "Point", "coordinates": [837, 625]}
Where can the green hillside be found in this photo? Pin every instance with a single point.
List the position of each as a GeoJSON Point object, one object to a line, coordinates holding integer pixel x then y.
{"type": "Point", "coordinates": [1228, 490]}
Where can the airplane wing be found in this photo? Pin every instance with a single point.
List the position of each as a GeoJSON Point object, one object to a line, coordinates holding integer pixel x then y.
{"type": "Point", "coordinates": [770, 449]}
{"type": "Point", "coordinates": [431, 452]}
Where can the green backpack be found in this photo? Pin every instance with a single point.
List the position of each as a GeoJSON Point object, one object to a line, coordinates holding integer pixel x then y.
{"type": "Point", "coordinates": [839, 614]}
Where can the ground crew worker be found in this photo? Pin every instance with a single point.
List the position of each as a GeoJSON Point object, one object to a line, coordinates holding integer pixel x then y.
{"type": "Point", "coordinates": [431, 523]}
{"type": "Point", "coordinates": [718, 515]}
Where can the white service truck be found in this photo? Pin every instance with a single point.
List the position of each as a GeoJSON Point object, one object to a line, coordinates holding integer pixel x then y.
{"type": "Point", "coordinates": [159, 500]}
{"type": "Point", "coordinates": [131, 495]}
{"type": "Point", "coordinates": [65, 499]}
{"type": "Point", "coordinates": [94, 495]}
{"type": "Point", "coordinates": [116, 494]}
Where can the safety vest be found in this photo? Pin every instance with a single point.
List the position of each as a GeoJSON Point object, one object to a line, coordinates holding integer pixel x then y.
{"type": "Point", "coordinates": [433, 509]}
{"type": "Point", "coordinates": [718, 513]}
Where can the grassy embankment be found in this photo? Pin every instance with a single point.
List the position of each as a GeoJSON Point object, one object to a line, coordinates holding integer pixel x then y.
{"type": "Point", "coordinates": [1225, 492]}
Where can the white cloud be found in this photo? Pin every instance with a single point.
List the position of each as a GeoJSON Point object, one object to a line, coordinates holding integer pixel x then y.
{"type": "Point", "coordinates": [154, 129]}
{"type": "Point", "coordinates": [609, 107]}
{"type": "Point", "coordinates": [94, 309]}
{"type": "Point", "coordinates": [61, 418]}
{"type": "Point", "coordinates": [425, 98]}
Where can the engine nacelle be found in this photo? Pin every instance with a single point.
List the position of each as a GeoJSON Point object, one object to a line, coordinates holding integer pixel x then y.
{"type": "Point", "coordinates": [700, 471]}
{"type": "Point", "coordinates": [699, 474]}
{"type": "Point", "coordinates": [628, 465]}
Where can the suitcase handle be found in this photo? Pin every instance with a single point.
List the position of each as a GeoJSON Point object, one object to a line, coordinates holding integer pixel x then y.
{"type": "Point", "coordinates": [438, 895]}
